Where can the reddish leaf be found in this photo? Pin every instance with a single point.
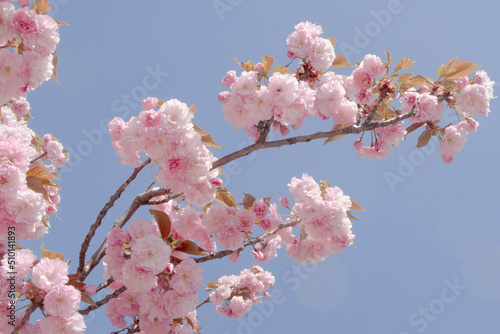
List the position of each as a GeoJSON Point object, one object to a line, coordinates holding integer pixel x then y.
{"type": "Point", "coordinates": [163, 221]}
{"type": "Point", "coordinates": [189, 247]}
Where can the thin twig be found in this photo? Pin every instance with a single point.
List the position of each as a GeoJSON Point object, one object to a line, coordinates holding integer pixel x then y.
{"type": "Point", "coordinates": [139, 201]}
{"type": "Point", "coordinates": [105, 284]}
{"type": "Point", "coordinates": [102, 214]}
{"type": "Point", "coordinates": [39, 157]}
{"type": "Point", "coordinates": [203, 302]}
{"type": "Point", "coordinates": [33, 306]}
{"type": "Point", "coordinates": [307, 138]}
{"type": "Point", "coordinates": [103, 301]}
{"type": "Point", "coordinates": [223, 253]}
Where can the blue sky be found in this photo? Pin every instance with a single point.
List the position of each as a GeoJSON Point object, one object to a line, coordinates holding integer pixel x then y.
{"type": "Point", "coordinates": [427, 255]}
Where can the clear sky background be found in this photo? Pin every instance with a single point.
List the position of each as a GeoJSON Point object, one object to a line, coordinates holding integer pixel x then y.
{"type": "Point", "coordinates": [427, 255]}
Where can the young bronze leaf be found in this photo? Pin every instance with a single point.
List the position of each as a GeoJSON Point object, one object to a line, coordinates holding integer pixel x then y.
{"type": "Point", "coordinates": [248, 66]}
{"type": "Point", "coordinates": [350, 216]}
{"type": "Point", "coordinates": [403, 63]}
{"type": "Point", "coordinates": [40, 173]}
{"type": "Point", "coordinates": [335, 127]}
{"type": "Point", "coordinates": [211, 285]}
{"type": "Point", "coordinates": [224, 197]}
{"type": "Point", "coordinates": [267, 200]}
{"type": "Point", "coordinates": [51, 255]}
{"type": "Point", "coordinates": [413, 127]}
{"type": "Point", "coordinates": [420, 80]}
{"type": "Point", "coordinates": [281, 69]}
{"type": "Point", "coordinates": [356, 206]}
{"type": "Point", "coordinates": [303, 234]}
{"type": "Point", "coordinates": [87, 299]}
{"type": "Point", "coordinates": [404, 78]}
{"type": "Point", "coordinates": [189, 247]}
{"type": "Point", "coordinates": [424, 138]}
{"type": "Point", "coordinates": [54, 64]}
{"type": "Point", "coordinates": [340, 61]}
{"type": "Point", "coordinates": [59, 23]}
{"type": "Point", "coordinates": [442, 71]}
{"type": "Point", "coordinates": [267, 63]}
{"type": "Point", "coordinates": [450, 63]}
{"type": "Point", "coordinates": [36, 185]}
{"type": "Point", "coordinates": [333, 40]}
{"type": "Point", "coordinates": [163, 221]}
{"type": "Point", "coordinates": [206, 138]}
{"type": "Point", "coordinates": [41, 7]}
{"type": "Point", "coordinates": [461, 69]}
{"type": "Point", "coordinates": [248, 201]}
{"type": "Point", "coordinates": [191, 109]}
{"type": "Point", "coordinates": [387, 64]}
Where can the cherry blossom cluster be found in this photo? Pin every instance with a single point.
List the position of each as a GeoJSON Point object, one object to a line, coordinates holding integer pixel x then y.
{"type": "Point", "coordinates": [27, 43]}
{"type": "Point", "coordinates": [305, 42]}
{"type": "Point", "coordinates": [167, 135]}
{"type": "Point", "coordinates": [27, 166]}
{"type": "Point", "coordinates": [256, 98]}
{"type": "Point", "coordinates": [323, 220]}
{"type": "Point", "coordinates": [48, 288]}
{"type": "Point", "coordinates": [234, 295]}
{"type": "Point", "coordinates": [162, 285]}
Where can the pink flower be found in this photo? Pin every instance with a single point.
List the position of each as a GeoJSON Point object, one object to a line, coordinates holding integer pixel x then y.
{"type": "Point", "coordinates": [244, 220]}
{"type": "Point", "coordinates": [361, 78]}
{"type": "Point", "coordinates": [71, 325]}
{"type": "Point", "coordinates": [62, 301]}
{"type": "Point", "coordinates": [44, 41]}
{"type": "Point", "coordinates": [224, 96]}
{"type": "Point", "coordinates": [474, 100]}
{"type": "Point", "coordinates": [428, 108]}
{"type": "Point", "coordinates": [364, 97]}
{"type": "Point", "coordinates": [229, 79]}
{"type": "Point", "coordinates": [246, 84]}
{"type": "Point", "coordinates": [260, 208]}
{"type": "Point", "coordinates": [321, 54]}
{"type": "Point", "coordinates": [188, 277]}
{"type": "Point", "coordinates": [138, 279]}
{"type": "Point", "coordinates": [7, 30]}
{"type": "Point", "coordinates": [26, 21]}
{"type": "Point", "coordinates": [152, 253]}
{"type": "Point", "coordinates": [453, 142]}
{"type": "Point", "coordinates": [150, 118]}
{"type": "Point", "coordinates": [149, 103]}
{"type": "Point", "coordinates": [462, 82]}
{"type": "Point", "coordinates": [372, 65]}
{"type": "Point", "coordinates": [50, 273]}
{"type": "Point", "coordinates": [89, 289]}
{"type": "Point", "coordinates": [285, 202]}
{"type": "Point", "coordinates": [283, 88]}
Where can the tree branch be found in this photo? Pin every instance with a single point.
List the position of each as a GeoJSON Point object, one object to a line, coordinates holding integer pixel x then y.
{"type": "Point", "coordinates": [307, 138]}
{"type": "Point", "coordinates": [207, 300]}
{"type": "Point", "coordinates": [223, 253]}
{"type": "Point", "coordinates": [103, 301]}
{"type": "Point", "coordinates": [102, 214]}
{"type": "Point", "coordinates": [139, 201]}
{"type": "Point", "coordinates": [33, 306]}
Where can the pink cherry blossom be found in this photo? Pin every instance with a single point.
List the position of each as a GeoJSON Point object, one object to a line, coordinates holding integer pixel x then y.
{"type": "Point", "coordinates": [62, 301]}
{"type": "Point", "coordinates": [49, 273]}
